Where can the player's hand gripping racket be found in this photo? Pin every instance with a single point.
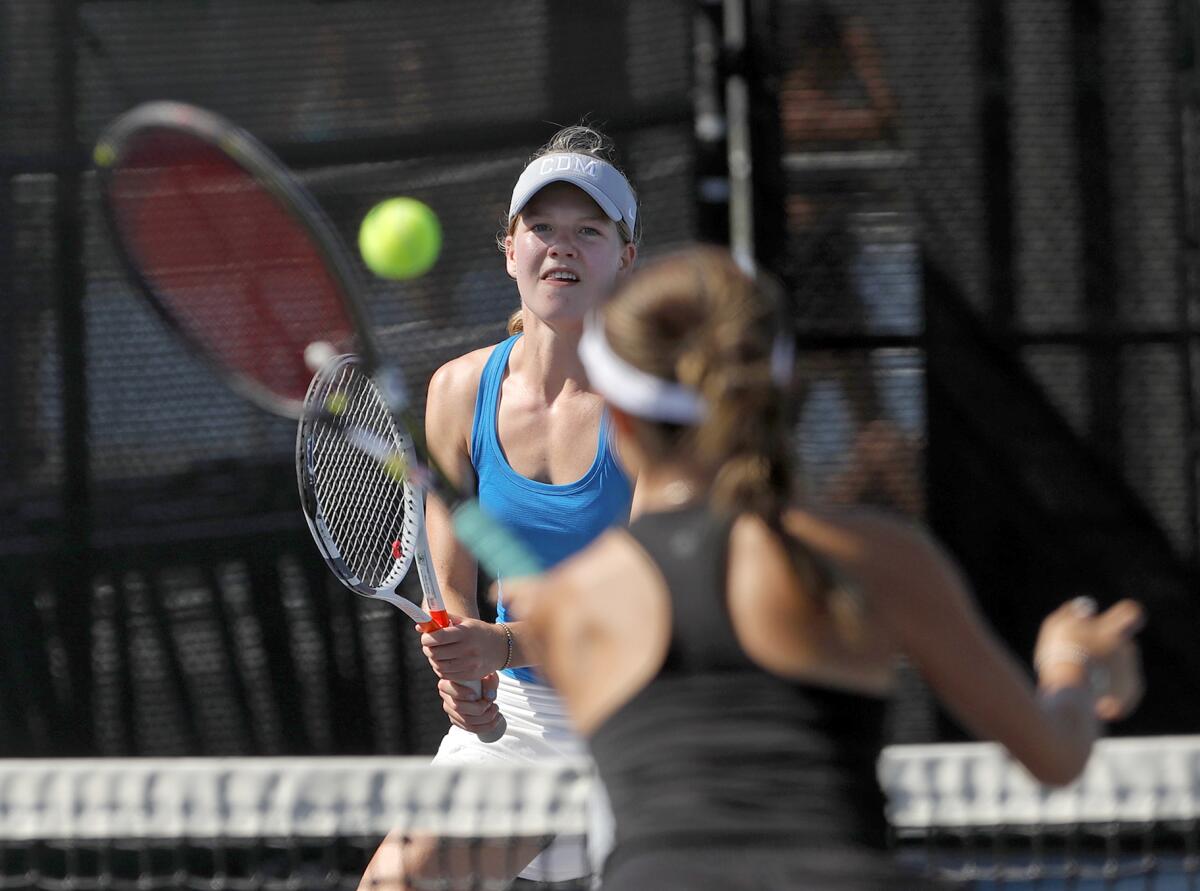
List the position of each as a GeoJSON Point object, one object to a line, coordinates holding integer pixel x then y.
{"type": "Point", "coordinates": [237, 257]}
{"type": "Point", "coordinates": [367, 520]}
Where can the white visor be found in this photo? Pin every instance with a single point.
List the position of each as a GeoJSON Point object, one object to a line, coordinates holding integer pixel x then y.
{"type": "Point", "coordinates": [605, 184]}
{"type": "Point", "coordinates": [631, 389]}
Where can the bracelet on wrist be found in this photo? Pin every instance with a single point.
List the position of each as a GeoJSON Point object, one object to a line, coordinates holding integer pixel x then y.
{"type": "Point", "coordinates": [1097, 675]}
{"type": "Point", "coordinates": [508, 636]}
{"type": "Point", "coordinates": [1052, 655]}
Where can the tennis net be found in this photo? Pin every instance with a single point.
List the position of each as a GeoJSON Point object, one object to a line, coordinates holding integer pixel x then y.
{"type": "Point", "coordinates": [1131, 821]}
{"type": "Point", "coordinates": [964, 812]}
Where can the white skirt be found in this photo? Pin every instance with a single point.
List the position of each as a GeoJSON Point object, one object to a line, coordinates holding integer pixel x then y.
{"type": "Point", "coordinates": [538, 729]}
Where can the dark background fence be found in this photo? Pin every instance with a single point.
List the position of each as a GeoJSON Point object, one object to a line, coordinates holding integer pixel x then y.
{"type": "Point", "coordinates": [982, 212]}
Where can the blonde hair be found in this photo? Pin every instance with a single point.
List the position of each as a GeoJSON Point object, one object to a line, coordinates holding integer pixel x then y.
{"type": "Point", "coordinates": [583, 140]}
{"type": "Point", "coordinates": [696, 318]}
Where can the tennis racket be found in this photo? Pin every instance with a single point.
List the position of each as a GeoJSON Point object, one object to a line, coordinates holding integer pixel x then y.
{"type": "Point", "coordinates": [367, 520]}
{"type": "Point", "coordinates": [239, 260]}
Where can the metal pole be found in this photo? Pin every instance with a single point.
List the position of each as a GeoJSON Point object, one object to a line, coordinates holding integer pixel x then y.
{"type": "Point", "coordinates": [1188, 119]}
{"type": "Point", "coordinates": [74, 586]}
{"type": "Point", "coordinates": [737, 115]}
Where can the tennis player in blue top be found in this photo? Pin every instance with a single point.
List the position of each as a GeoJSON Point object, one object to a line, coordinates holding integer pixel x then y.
{"type": "Point", "coordinates": [519, 420]}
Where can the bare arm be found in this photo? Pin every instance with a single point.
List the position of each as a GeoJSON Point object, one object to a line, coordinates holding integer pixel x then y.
{"type": "Point", "coordinates": [467, 651]}
{"type": "Point", "coordinates": [449, 410]}
{"type": "Point", "coordinates": [913, 588]}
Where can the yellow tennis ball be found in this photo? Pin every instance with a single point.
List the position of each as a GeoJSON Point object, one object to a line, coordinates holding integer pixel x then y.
{"type": "Point", "coordinates": [104, 155]}
{"type": "Point", "coordinates": [396, 467]}
{"type": "Point", "coordinates": [400, 238]}
{"type": "Point", "coordinates": [337, 403]}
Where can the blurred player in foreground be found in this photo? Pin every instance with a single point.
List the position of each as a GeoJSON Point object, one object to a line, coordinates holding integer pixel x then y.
{"type": "Point", "coordinates": [520, 418]}
{"type": "Point", "coordinates": [729, 656]}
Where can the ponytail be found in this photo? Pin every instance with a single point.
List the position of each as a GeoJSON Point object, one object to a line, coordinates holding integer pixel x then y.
{"type": "Point", "coordinates": [516, 323]}
{"type": "Point", "coordinates": [697, 319]}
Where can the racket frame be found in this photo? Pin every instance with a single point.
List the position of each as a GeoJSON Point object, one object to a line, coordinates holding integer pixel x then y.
{"type": "Point", "coordinates": [266, 169]}
{"type": "Point", "coordinates": [414, 543]}
{"type": "Point", "coordinates": [499, 552]}
{"type": "Point", "coordinates": [412, 532]}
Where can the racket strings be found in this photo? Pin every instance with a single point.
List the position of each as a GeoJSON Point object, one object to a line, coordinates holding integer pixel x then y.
{"type": "Point", "coordinates": [366, 509]}
{"type": "Point", "coordinates": [364, 515]}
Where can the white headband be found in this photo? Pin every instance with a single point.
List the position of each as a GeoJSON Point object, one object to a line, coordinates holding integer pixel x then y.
{"type": "Point", "coordinates": [631, 389]}
{"type": "Point", "coordinates": [646, 396]}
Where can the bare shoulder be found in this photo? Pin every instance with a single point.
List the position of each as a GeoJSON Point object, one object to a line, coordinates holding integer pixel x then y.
{"type": "Point", "coordinates": [456, 383]}
{"type": "Point", "coordinates": [588, 586]}
{"type": "Point", "coordinates": [450, 411]}
{"type": "Point", "coordinates": [607, 560]}
{"type": "Point", "coordinates": [602, 622]}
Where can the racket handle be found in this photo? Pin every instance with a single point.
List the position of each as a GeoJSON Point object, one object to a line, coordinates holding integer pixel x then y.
{"type": "Point", "coordinates": [499, 552]}
{"type": "Point", "coordinates": [441, 619]}
{"type": "Point", "coordinates": [489, 736]}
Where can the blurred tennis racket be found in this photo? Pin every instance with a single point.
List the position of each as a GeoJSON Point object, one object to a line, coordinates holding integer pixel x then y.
{"type": "Point", "coordinates": [367, 520]}
{"type": "Point", "coordinates": [238, 258]}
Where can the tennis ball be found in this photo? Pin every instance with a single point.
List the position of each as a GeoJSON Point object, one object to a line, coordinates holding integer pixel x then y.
{"type": "Point", "coordinates": [400, 238]}
{"type": "Point", "coordinates": [104, 155]}
{"type": "Point", "coordinates": [337, 403]}
{"type": "Point", "coordinates": [318, 354]}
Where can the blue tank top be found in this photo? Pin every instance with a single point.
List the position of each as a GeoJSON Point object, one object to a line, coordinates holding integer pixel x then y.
{"type": "Point", "coordinates": [554, 521]}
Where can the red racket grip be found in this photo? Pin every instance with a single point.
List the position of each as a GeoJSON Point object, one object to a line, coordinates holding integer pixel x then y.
{"type": "Point", "coordinates": [441, 619]}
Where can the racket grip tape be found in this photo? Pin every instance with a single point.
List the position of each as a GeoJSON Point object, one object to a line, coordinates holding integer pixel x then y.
{"type": "Point", "coordinates": [499, 552]}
